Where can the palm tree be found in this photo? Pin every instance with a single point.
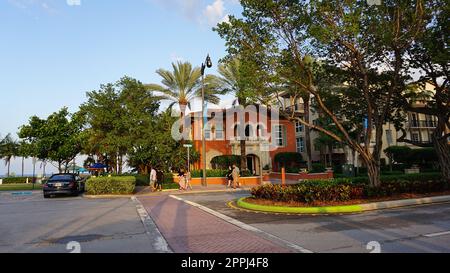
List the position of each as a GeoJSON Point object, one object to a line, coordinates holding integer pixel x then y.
{"type": "Point", "coordinates": [182, 85]}
{"type": "Point", "coordinates": [230, 81]}
{"type": "Point", "coordinates": [9, 148]}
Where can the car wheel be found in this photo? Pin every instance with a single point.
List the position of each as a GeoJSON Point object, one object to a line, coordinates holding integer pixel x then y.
{"type": "Point", "coordinates": [46, 196]}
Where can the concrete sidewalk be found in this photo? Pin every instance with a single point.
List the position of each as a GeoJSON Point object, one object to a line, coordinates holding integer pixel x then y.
{"type": "Point", "coordinates": [188, 229]}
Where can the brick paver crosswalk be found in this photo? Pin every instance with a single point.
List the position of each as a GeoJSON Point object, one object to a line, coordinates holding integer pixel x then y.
{"type": "Point", "coordinates": [190, 230]}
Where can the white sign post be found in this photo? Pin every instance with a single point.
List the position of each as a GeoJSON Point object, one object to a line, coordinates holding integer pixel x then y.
{"type": "Point", "coordinates": [188, 146]}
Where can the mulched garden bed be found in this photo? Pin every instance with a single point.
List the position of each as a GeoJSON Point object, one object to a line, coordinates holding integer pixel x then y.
{"type": "Point", "coordinates": [346, 203]}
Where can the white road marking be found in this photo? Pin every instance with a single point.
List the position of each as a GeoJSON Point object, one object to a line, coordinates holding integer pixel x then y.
{"type": "Point", "coordinates": [242, 225]}
{"type": "Point", "coordinates": [431, 235]}
{"type": "Point", "coordinates": [160, 244]}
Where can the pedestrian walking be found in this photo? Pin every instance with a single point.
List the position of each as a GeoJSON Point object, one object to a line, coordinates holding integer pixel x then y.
{"type": "Point", "coordinates": [230, 176]}
{"type": "Point", "coordinates": [236, 175]}
{"type": "Point", "coordinates": [159, 179]}
{"type": "Point", "coordinates": [153, 178]}
{"type": "Point", "coordinates": [182, 179]}
{"type": "Point", "coordinates": [188, 181]}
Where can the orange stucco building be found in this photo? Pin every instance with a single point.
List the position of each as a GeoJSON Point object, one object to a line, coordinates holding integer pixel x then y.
{"type": "Point", "coordinates": [264, 132]}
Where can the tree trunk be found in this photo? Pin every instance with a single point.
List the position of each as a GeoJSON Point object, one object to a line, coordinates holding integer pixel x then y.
{"type": "Point", "coordinates": [330, 148]}
{"type": "Point", "coordinates": [375, 163]}
{"type": "Point", "coordinates": [9, 167]}
{"type": "Point", "coordinates": [442, 148]}
{"type": "Point", "coordinates": [23, 165]}
{"type": "Point", "coordinates": [373, 170]}
{"type": "Point", "coordinates": [306, 105]}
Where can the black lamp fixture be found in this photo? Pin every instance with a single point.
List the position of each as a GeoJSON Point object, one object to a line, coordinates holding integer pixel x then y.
{"type": "Point", "coordinates": [207, 64]}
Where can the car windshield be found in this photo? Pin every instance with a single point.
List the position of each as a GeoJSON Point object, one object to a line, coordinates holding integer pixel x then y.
{"type": "Point", "coordinates": [61, 178]}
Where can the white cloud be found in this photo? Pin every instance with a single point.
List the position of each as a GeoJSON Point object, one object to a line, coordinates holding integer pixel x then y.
{"type": "Point", "coordinates": [215, 13]}
{"type": "Point", "coordinates": [195, 10]}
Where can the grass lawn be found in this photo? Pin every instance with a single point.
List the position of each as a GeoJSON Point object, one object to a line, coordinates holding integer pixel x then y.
{"type": "Point", "coordinates": [20, 187]}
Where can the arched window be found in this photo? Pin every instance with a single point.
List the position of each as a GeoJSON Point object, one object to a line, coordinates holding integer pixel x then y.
{"type": "Point", "coordinates": [236, 131]}
{"type": "Point", "coordinates": [260, 130]}
{"type": "Point", "coordinates": [248, 131]}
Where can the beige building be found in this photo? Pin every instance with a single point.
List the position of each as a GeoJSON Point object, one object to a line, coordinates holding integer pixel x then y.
{"type": "Point", "coordinates": [419, 129]}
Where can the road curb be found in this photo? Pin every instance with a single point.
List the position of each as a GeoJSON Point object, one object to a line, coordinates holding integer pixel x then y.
{"type": "Point", "coordinates": [343, 209]}
{"type": "Point", "coordinates": [159, 242]}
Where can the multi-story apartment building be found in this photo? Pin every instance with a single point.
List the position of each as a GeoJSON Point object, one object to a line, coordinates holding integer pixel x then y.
{"type": "Point", "coordinates": [266, 135]}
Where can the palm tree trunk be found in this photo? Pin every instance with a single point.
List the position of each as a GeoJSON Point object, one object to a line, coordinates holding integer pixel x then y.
{"type": "Point", "coordinates": [9, 167]}
{"type": "Point", "coordinates": [243, 155]}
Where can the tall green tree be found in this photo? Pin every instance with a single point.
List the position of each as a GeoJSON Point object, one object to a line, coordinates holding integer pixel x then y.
{"type": "Point", "coordinates": [58, 138]}
{"type": "Point", "coordinates": [156, 147]}
{"type": "Point", "coordinates": [278, 38]}
{"type": "Point", "coordinates": [116, 117]}
{"type": "Point", "coordinates": [9, 148]}
{"type": "Point", "coordinates": [429, 55]}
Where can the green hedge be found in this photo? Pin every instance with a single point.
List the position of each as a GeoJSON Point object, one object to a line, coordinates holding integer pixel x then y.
{"type": "Point", "coordinates": [209, 173]}
{"type": "Point", "coordinates": [389, 178]}
{"type": "Point", "coordinates": [288, 159]}
{"type": "Point", "coordinates": [224, 161]}
{"type": "Point", "coordinates": [144, 180]}
{"type": "Point", "coordinates": [217, 173]}
{"type": "Point", "coordinates": [17, 180]}
{"type": "Point", "coordinates": [111, 185]}
{"type": "Point", "coordinates": [345, 189]}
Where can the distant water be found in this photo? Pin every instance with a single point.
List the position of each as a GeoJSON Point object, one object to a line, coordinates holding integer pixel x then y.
{"type": "Point", "coordinates": [26, 175]}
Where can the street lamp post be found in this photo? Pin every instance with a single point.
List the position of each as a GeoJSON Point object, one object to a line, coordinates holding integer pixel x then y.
{"type": "Point", "coordinates": [206, 64]}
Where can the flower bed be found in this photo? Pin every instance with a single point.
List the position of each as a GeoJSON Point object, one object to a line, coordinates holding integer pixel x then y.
{"type": "Point", "coordinates": [343, 190]}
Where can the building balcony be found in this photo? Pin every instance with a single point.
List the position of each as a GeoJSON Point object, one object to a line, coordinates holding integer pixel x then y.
{"type": "Point", "coordinates": [297, 108]}
{"type": "Point", "coordinates": [422, 124]}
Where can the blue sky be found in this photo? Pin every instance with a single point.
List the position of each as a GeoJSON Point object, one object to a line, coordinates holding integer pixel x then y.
{"type": "Point", "coordinates": [54, 51]}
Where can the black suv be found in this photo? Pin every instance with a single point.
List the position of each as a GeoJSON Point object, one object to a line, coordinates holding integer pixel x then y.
{"type": "Point", "coordinates": [68, 184]}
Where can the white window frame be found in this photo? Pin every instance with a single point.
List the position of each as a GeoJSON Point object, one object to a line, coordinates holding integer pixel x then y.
{"type": "Point", "coordinates": [300, 142]}
{"type": "Point", "coordinates": [299, 128]}
{"type": "Point", "coordinates": [280, 135]}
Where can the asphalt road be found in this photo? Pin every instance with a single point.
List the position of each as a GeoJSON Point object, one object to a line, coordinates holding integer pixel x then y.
{"type": "Point", "coordinates": [421, 229]}
{"type": "Point", "coordinates": [31, 224]}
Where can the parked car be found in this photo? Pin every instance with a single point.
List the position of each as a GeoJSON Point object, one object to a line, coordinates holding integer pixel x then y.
{"type": "Point", "coordinates": [67, 184]}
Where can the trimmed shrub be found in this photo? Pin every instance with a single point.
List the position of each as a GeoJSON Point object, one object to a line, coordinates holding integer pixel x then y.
{"type": "Point", "coordinates": [111, 185]}
{"type": "Point", "coordinates": [217, 173]}
{"type": "Point", "coordinates": [224, 161]}
{"type": "Point", "coordinates": [345, 189]}
{"type": "Point", "coordinates": [209, 173]}
{"type": "Point", "coordinates": [288, 159]}
{"type": "Point", "coordinates": [318, 168]}
{"type": "Point", "coordinates": [17, 180]}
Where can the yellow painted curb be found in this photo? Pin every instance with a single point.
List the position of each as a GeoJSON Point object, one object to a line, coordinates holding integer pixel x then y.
{"type": "Point", "coordinates": [299, 210]}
